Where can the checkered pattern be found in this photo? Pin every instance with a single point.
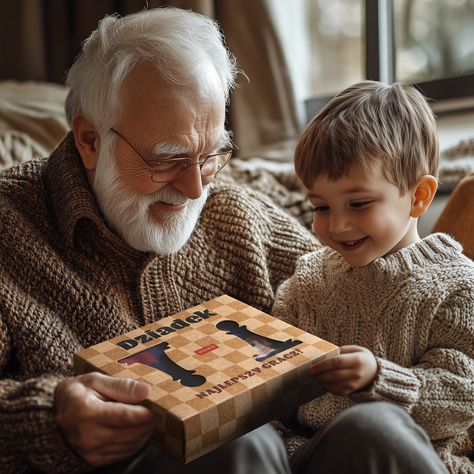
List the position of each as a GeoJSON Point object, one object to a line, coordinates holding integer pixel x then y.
{"type": "Point", "coordinates": [230, 403]}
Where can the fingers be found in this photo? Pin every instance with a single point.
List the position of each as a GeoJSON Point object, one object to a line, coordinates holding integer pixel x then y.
{"type": "Point", "coordinates": [99, 417]}
{"type": "Point", "coordinates": [353, 369]}
{"type": "Point", "coordinates": [120, 390]}
{"type": "Point", "coordinates": [83, 397]}
{"type": "Point", "coordinates": [100, 445]}
{"type": "Point", "coordinates": [349, 356]}
{"type": "Point", "coordinates": [349, 349]}
{"type": "Point", "coordinates": [333, 363]}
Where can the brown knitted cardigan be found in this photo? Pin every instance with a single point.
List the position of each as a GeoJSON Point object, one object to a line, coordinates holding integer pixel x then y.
{"type": "Point", "coordinates": [68, 282]}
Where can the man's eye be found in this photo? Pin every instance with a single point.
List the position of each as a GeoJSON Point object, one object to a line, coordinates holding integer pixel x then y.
{"type": "Point", "coordinates": [169, 165]}
{"type": "Point", "coordinates": [165, 165]}
{"type": "Point", "coordinates": [320, 209]}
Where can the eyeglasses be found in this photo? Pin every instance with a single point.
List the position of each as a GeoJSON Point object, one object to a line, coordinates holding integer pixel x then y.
{"type": "Point", "coordinates": [171, 169]}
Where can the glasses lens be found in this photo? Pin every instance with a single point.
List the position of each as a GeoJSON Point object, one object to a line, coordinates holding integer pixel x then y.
{"type": "Point", "coordinates": [170, 170]}
{"type": "Point", "coordinates": [215, 163]}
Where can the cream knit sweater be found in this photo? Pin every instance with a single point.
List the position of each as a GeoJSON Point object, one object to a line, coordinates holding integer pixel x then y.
{"type": "Point", "coordinates": [68, 282]}
{"type": "Point", "coordinates": [414, 310]}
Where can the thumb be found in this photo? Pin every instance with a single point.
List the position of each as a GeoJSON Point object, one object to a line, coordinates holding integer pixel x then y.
{"type": "Point", "coordinates": [350, 349]}
{"type": "Point", "coordinates": [124, 390]}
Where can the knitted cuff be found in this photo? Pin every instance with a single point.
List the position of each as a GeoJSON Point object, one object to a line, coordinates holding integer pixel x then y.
{"type": "Point", "coordinates": [393, 384]}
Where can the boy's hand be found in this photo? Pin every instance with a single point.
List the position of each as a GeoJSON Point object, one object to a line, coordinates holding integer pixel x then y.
{"type": "Point", "coordinates": [353, 369]}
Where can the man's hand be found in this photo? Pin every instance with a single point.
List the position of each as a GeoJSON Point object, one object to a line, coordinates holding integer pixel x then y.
{"type": "Point", "coordinates": [99, 417]}
{"type": "Point", "coordinates": [353, 369]}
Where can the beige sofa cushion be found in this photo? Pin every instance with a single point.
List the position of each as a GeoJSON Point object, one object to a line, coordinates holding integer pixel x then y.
{"type": "Point", "coordinates": [32, 120]}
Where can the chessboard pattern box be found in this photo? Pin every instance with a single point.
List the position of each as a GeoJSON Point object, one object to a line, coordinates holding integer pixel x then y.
{"type": "Point", "coordinates": [217, 371]}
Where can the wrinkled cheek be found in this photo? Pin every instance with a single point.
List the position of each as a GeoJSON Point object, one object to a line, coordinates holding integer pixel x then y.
{"type": "Point", "coordinates": [144, 185]}
{"type": "Point", "coordinates": [138, 182]}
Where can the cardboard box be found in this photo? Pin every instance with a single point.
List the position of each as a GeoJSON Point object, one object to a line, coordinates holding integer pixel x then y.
{"type": "Point", "coordinates": [217, 371]}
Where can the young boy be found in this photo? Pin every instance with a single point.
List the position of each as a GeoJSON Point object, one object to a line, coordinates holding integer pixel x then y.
{"type": "Point", "coordinates": [401, 308]}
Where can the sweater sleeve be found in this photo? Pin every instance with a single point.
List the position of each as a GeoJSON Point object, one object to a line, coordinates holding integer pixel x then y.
{"type": "Point", "coordinates": [29, 437]}
{"type": "Point", "coordinates": [439, 390]}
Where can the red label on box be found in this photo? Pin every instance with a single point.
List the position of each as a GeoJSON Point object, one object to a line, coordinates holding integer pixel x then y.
{"type": "Point", "coordinates": [205, 350]}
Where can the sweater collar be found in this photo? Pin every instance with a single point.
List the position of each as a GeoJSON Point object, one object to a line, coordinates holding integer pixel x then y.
{"type": "Point", "coordinates": [433, 249]}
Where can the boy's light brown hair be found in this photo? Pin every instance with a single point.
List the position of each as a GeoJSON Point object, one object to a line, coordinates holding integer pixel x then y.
{"type": "Point", "coordinates": [366, 123]}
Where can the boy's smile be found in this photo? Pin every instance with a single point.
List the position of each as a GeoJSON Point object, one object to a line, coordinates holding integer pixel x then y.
{"type": "Point", "coordinates": [362, 215]}
{"type": "Point", "coordinates": [354, 244]}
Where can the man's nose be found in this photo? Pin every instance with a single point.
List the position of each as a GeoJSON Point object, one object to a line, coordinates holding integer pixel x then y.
{"type": "Point", "coordinates": [190, 184]}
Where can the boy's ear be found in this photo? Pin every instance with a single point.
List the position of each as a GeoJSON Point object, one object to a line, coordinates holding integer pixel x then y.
{"type": "Point", "coordinates": [87, 141]}
{"type": "Point", "coordinates": [423, 193]}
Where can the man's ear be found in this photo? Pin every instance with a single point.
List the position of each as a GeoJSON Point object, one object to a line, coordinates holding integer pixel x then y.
{"type": "Point", "coordinates": [423, 193]}
{"type": "Point", "coordinates": [87, 141]}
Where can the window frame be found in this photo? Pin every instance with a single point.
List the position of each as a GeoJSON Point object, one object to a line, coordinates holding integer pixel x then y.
{"type": "Point", "coordinates": [448, 95]}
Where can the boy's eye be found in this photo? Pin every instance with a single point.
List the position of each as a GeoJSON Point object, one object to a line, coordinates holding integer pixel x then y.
{"type": "Point", "coordinates": [320, 209]}
{"type": "Point", "coordinates": [360, 204]}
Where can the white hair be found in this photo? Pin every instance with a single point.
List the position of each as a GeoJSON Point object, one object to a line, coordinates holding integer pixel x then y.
{"type": "Point", "coordinates": [174, 41]}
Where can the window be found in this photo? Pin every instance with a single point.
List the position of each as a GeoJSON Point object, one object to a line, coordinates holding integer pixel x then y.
{"type": "Point", "coordinates": [324, 45]}
{"type": "Point", "coordinates": [427, 42]}
{"type": "Point", "coordinates": [330, 44]}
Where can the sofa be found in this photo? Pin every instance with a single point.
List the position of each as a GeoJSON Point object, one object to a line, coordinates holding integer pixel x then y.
{"type": "Point", "coordinates": [457, 217]}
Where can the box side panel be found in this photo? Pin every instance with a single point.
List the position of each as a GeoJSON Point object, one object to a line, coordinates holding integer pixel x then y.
{"type": "Point", "coordinates": [170, 437]}
{"type": "Point", "coordinates": [240, 414]}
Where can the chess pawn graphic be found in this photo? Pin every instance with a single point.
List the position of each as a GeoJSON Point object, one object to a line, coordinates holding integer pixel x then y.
{"type": "Point", "coordinates": [265, 346]}
{"type": "Point", "coordinates": [155, 357]}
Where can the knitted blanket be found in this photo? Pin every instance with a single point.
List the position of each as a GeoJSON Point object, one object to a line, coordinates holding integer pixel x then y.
{"type": "Point", "coordinates": [456, 163]}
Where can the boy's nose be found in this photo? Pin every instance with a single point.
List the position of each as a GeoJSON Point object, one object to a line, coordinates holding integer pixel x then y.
{"type": "Point", "coordinates": [339, 223]}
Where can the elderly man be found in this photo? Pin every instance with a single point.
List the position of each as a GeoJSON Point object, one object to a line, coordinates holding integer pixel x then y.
{"type": "Point", "coordinates": [121, 226]}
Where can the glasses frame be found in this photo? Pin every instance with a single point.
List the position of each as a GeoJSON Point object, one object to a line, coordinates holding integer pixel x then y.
{"type": "Point", "coordinates": [187, 161]}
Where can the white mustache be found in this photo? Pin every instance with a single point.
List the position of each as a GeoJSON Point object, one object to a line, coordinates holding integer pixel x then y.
{"type": "Point", "coordinates": [168, 195]}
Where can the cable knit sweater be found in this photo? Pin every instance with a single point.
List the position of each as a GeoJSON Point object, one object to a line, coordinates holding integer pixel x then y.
{"type": "Point", "coordinates": [67, 282]}
{"type": "Point", "coordinates": [414, 310]}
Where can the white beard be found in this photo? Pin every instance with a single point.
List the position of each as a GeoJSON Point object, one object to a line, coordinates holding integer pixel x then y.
{"type": "Point", "coordinates": [127, 212]}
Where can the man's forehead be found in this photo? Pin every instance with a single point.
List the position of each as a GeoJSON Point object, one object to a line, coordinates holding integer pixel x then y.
{"type": "Point", "coordinates": [171, 117]}
{"type": "Point", "coordinates": [144, 78]}
{"type": "Point", "coordinates": [149, 101]}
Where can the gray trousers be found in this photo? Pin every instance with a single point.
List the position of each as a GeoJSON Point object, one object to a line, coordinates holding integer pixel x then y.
{"type": "Point", "coordinates": [260, 451]}
{"type": "Point", "coordinates": [369, 438]}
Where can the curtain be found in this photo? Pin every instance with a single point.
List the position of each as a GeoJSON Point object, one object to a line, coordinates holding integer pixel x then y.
{"type": "Point", "coordinates": [263, 111]}
{"type": "Point", "coordinates": [40, 38]}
